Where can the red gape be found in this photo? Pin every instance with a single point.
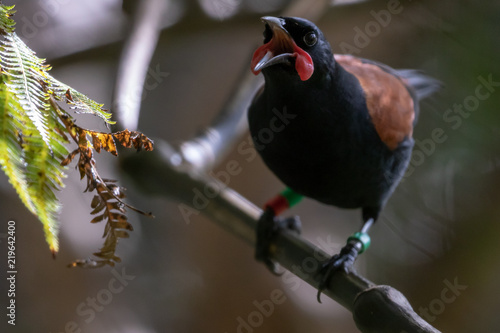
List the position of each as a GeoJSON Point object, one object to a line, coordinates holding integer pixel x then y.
{"type": "Point", "coordinates": [303, 62]}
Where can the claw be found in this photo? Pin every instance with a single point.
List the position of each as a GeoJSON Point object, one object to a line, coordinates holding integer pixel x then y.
{"type": "Point", "coordinates": [344, 260]}
{"type": "Point", "coordinates": [267, 228]}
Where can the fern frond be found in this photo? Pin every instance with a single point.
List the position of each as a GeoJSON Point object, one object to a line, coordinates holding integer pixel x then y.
{"type": "Point", "coordinates": [11, 153]}
{"type": "Point", "coordinates": [45, 174]}
{"type": "Point", "coordinates": [32, 143]}
{"type": "Point", "coordinates": [33, 138]}
{"type": "Point", "coordinates": [34, 168]}
{"type": "Point", "coordinates": [27, 75]}
{"type": "Point", "coordinates": [42, 177]}
{"type": "Point", "coordinates": [6, 23]}
{"type": "Point", "coordinates": [78, 101]}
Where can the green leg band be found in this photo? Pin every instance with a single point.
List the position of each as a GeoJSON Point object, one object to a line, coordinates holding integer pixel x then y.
{"type": "Point", "coordinates": [361, 237]}
{"type": "Point", "coordinates": [291, 196]}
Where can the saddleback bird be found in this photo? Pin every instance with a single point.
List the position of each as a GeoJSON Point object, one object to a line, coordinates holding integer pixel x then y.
{"type": "Point", "coordinates": [334, 128]}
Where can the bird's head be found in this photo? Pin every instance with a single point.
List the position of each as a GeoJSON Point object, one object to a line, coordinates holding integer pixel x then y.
{"type": "Point", "coordinates": [293, 45]}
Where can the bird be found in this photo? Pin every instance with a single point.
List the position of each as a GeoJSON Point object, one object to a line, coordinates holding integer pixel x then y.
{"type": "Point", "coordinates": [332, 127]}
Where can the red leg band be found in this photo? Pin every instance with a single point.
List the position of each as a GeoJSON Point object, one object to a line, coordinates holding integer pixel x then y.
{"type": "Point", "coordinates": [278, 204]}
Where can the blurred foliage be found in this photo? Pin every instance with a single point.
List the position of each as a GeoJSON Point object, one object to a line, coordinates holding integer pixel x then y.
{"type": "Point", "coordinates": [34, 131]}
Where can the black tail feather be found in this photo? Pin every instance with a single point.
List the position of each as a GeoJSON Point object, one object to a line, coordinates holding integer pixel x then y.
{"type": "Point", "coordinates": [422, 85]}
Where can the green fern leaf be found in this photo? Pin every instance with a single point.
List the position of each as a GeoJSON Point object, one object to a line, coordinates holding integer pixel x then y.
{"type": "Point", "coordinates": [78, 101]}
{"type": "Point", "coordinates": [6, 23]}
{"type": "Point", "coordinates": [31, 143]}
{"type": "Point", "coordinates": [33, 167]}
{"type": "Point", "coordinates": [45, 175]}
{"type": "Point", "coordinates": [33, 130]}
{"type": "Point", "coordinates": [27, 76]}
{"type": "Point", "coordinates": [11, 153]}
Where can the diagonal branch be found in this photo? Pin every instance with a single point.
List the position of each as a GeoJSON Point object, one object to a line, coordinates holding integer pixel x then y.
{"type": "Point", "coordinates": [375, 308]}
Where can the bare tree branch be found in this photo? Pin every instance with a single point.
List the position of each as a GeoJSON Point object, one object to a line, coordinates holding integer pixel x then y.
{"type": "Point", "coordinates": [135, 59]}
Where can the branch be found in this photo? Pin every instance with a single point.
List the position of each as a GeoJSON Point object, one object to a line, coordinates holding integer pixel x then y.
{"type": "Point", "coordinates": [135, 59]}
{"type": "Point", "coordinates": [375, 308]}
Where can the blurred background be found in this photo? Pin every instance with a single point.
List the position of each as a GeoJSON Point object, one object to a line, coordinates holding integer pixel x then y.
{"type": "Point", "coordinates": [436, 241]}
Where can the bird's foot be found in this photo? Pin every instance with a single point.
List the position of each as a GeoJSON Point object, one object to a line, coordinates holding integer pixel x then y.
{"type": "Point", "coordinates": [357, 243]}
{"type": "Point", "coordinates": [343, 261]}
{"type": "Point", "coordinates": [268, 226]}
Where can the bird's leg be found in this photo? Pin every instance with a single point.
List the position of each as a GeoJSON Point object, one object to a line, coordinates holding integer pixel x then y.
{"type": "Point", "coordinates": [270, 224]}
{"type": "Point", "coordinates": [356, 243]}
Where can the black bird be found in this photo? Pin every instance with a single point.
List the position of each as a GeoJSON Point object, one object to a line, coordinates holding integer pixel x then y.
{"type": "Point", "coordinates": [345, 128]}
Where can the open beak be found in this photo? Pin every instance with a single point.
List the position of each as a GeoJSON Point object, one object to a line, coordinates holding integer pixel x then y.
{"type": "Point", "coordinates": [281, 49]}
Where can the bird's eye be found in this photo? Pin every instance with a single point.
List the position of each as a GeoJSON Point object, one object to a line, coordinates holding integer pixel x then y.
{"type": "Point", "coordinates": [310, 39]}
